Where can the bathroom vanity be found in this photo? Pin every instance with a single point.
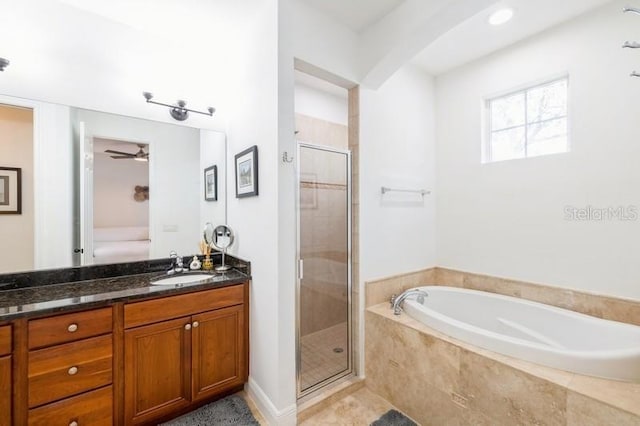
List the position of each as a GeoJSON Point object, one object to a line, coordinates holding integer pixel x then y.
{"type": "Point", "coordinates": [121, 350]}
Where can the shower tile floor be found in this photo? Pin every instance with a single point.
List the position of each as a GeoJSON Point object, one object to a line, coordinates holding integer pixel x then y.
{"type": "Point", "coordinates": [319, 360]}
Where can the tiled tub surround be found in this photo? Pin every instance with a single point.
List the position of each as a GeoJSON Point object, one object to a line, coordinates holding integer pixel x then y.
{"type": "Point", "coordinates": [611, 308]}
{"type": "Point", "coordinates": [439, 380]}
{"type": "Point", "coordinates": [59, 290]}
{"type": "Point", "coordinates": [532, 331]}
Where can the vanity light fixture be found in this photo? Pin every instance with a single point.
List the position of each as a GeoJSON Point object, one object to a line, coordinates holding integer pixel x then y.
{"type": "Point", "coordinates": [4, 63]}
{"type": "Point", "coordinates": [179, 111]}
{"type": "Point", "coordinates": [501, 16]}
{"type": "Point", "coordinates": [631, 10]}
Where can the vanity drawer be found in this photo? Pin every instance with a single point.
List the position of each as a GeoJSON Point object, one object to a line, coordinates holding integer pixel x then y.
{"type": "Point", "coordinates": [5, 340]}
{"type": "Point", "coordinates": [69, 369]}
{"type": "Point", "coordinates": [93, 408]}
{"type": "Point", "coordinates": [69, 327]}
{"type": "Point", "coordinates": [141, 313]}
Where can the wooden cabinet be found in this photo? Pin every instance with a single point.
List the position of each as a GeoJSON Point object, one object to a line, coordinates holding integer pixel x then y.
{"type": "Point", "coordinates": [5, 375]}
{"type": "Point", "coordinates": [217, 351]}
{"type": "Point", "coordinates": [157, 369]}
{"type": "Point", "coordinates": [65, 370]}
{"type": "Point", "coordinates": [70, 327]}
{"type": "Point", "coordinates": [5, 340]}
{"type": "Point", "coordinates": [135, 363]}
{"type": "Point", "coordinates": [5, 391]}
{"type": "Point", "coordinates": [93, 408]}
{"type": "Point", "coordinates": [173, 364]}
{"type": "Point", "coordinates": [69, 372]}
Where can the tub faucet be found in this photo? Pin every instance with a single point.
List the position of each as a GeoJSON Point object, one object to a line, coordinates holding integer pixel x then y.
{"type": "Point", "coordinates": [396, 301]}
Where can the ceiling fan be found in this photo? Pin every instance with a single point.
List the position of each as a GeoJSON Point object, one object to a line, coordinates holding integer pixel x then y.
{"type": "Point", "coordinates": [138, 156]}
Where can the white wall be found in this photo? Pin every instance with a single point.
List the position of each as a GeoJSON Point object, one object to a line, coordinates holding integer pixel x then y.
{"type": "Point", "coordinates": [16, 150]}
{"type": "Point", "coordinates": [508, 219]}
{"type": "Point", "coordinates": [174, 176]}
{"type": "Point", "coordinates": [113, 183]}
{"type": "Point", "coordinates": [122, 54]}
{"type": "Point", "coordinates": [322, 41]}
{"type": "Point", "coordinates": [213, 153]}
{"type": "Point", "coordinates": [52, 183]}
{"type": "Point", "coordinates": [397, 149]}
{"type": "Point", "coordinates": [316, 103]}
{"type": "Point", "coordinates": [254, 121]}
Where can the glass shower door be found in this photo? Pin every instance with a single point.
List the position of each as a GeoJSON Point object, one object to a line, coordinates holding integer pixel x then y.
{"type": "Point", "coordinates": [324, 251]}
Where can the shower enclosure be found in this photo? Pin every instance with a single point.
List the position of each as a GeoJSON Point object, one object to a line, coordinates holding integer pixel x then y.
{"type": "Point", "coordinates": [324, 340]}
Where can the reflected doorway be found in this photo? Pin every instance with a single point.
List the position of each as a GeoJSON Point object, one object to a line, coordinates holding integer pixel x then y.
{"type": "Point", "coordinates": [17, 189]}
{"type": "Point", "coordinates": [117, 202]}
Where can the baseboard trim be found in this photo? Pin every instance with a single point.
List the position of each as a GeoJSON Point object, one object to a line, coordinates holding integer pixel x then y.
{"type": "Point", "coordinates": [272, 415]}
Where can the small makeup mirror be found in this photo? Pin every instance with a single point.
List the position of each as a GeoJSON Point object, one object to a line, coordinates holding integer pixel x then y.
{"type": "Point", "coordinates": [208, 233]}
{"type": "Point", "coordinates": [220, 237]}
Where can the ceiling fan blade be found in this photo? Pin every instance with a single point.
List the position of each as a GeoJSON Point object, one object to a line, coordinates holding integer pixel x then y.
{"type": "Point", "coordinates": [110, 151]}
{"type": "Point", "coordinates": [124, 157]}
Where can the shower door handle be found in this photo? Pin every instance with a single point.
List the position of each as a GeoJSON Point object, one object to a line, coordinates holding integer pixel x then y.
{"type": "Point", "coordinates": [300, 269]}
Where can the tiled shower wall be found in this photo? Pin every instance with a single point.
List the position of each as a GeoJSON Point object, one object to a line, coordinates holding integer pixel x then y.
{"type": "Point", "coordinates": [323, 225]}
{"type": "Point", "coordinates": [354, 147]}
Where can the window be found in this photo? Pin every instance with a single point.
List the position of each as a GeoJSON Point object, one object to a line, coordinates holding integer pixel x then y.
{"type": "Point", "coordinates": [528, 123]}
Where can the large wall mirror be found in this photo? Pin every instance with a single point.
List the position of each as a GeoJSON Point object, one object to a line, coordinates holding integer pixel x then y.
{"type": "Point", "coordinates": [106, 177]}
{"type": "Point", "coordinates": [99, 188]}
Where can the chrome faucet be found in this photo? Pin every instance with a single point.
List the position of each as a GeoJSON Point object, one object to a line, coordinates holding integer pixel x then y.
{"type": "Point", "coordinates": [176, 264]}
{"type": "Point", "coordinates": [396, 301]}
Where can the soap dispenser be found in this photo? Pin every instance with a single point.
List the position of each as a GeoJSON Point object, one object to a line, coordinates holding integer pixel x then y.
{"type": "Point", "coordinates": [195, 263]}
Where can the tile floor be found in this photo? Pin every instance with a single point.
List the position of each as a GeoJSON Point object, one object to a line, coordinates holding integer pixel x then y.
{"type": "Point", "coordinates": [319, 360]}
{"type": "Point", "coordinates": [360, 408]}
{"type": "Point", "coordinates": [254, 410]}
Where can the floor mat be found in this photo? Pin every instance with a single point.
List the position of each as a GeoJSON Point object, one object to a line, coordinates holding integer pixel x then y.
{"type": "Point", "coordinates": [229, 411]}
{"type": "Point", "coordinates": [394, 418]}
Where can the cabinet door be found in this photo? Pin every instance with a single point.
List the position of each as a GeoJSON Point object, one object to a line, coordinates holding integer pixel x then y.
{"type": "Point", "coordinates": [218, 345]}
{"type": "Point", "coordinates": [5, 391]}
{"type": "Point", "coordinates": [157, 370]}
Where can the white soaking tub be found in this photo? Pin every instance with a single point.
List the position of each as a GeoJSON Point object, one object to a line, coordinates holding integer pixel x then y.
{"type": "Point", "coordinates": [532, 331]}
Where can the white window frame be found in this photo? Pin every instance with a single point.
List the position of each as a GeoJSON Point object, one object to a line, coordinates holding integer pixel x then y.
{"type": "Point", "coordinates": [524, 89]}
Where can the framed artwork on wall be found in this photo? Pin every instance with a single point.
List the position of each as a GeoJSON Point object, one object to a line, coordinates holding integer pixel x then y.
{"type": "Point", "coordinates": [247, 173]}
{"type": "Point", "coordinates": [211, 183]}
{"type": "Point", "coordinates": [10, 190]}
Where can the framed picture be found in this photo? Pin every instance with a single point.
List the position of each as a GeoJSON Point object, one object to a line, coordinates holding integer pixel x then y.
{"type": "Point", "coordinates": [247, 173]}
{"type": "Point", "coordinates": [10, 190]}
{"type": "Point", "coordinates": [211, 183]}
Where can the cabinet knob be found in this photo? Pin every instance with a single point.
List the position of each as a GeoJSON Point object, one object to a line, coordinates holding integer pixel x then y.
{"type": "Point", "coordinates": [73, 371]}
{"type": "Point", "coordinates": [72, 328]}
{"type": "Point", "coordinates": [195, 324]}
{"type": "Point", "coordinates": [73, 423]}
{"type": "Point", "coordinates": [187, 326]}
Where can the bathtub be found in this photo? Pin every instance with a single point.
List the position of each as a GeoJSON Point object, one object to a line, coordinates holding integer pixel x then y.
{"type": "Point", "coordinates": [532, 331]}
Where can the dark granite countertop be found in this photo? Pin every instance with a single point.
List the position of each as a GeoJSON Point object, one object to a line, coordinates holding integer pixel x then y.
{"type": "Point", "coordinates": [36, 300]}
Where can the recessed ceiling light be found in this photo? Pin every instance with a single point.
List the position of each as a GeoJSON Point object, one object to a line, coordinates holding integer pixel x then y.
{"type": "Point", "coordinates": [501, 16]}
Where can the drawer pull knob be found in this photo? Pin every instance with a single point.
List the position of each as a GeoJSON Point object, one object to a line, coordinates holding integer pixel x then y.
{"type": "Point", "coordinates": [72, 328]}
{"type": "Point", "coordinates": [73, 423]}
{"type": "Point", "coordinates": [187, 326]}
{"type": "Point", "coordinates": [195, 324]}
{"type": "Point", "coordinates": [73, 371]}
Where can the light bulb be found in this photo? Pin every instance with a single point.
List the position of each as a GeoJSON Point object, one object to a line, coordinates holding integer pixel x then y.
{"type": "Point", "coordinates": [501, 16]}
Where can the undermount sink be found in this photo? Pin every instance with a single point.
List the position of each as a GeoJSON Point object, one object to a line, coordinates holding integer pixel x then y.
{"type": "Point", "coordinates": [182, 279]}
